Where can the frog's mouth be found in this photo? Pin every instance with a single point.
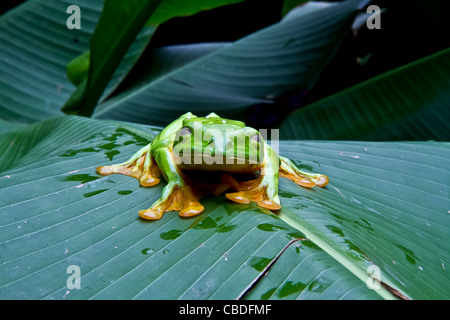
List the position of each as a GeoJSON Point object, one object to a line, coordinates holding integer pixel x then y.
{"type": "Point", "coordinates": [225, 164]}
{"type": "Point", "coordinates": [209, 178]}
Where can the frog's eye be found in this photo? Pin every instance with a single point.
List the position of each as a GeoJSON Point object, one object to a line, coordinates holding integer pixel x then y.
{"type": "Point", "coordinates": [256, 138]}
{"type": "Point", "coordinates": [185, 131]}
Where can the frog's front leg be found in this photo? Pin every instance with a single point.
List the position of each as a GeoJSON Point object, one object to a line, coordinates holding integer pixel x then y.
{"type": "Point", "coordinates": [263, 190]}
{"type": "Point", "coordinates": [141, 166]}
{"type": "Point", "coordinates": [306, 179]}
{"type": "Point", "coordinates": [177, 195]}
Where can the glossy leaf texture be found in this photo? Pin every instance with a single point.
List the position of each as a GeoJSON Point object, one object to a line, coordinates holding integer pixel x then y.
{"type": "Point", "coordinates": [387, 203]}
{"type": "Point", "coordinates": [407, 103]}
{"type": "Point", "coordinates": [35, 48]}
{"type": "Point", "coordinates": [56, 212]}
{"type": "Point", "coordinates": [256, 68]}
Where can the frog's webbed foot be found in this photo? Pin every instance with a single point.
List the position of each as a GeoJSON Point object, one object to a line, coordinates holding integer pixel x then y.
{"type": "Point", "coordinates": [177, 195]}
{"type": "Point", "coordinates": [141, 166]}
{"type": "Point", "coordinates": [174, 198]}
{"type": "Point", "coordinates": [306, 179]}
{"type": "Point", "coordinates": [249, 191]}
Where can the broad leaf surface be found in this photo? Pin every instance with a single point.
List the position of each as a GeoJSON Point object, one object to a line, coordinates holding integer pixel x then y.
{"type": "Point", "coordinates": [387, 204]}
{"type": "Point", "coordinates": [35, 48]}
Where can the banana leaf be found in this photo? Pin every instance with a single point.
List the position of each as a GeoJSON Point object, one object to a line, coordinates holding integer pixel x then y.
{"type": "Point", "coordinates": [118, 26]}
{"type": "Point", "coordinates": [35, 47]}
{"type": "Point", "coordinates": [386, 207]}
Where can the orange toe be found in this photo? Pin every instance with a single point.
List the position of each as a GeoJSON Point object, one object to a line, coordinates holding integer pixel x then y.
{"type": "Point", "coordinates": [304, 182]}
{"type": "Point", "coordinates": [192, 210]}
{"type": "Point", "coordinates": [181, 199]}
{"type": "Point", "coordinates": [259, 196]}
{"type": "Point", "coordinates": [151, 214]}
{"type": "Point", "coordinates": [149, 181]}
{"type": "Point", "coordinates": [105, 170]}
{"type": "Point", "coordinates": [238, 197]}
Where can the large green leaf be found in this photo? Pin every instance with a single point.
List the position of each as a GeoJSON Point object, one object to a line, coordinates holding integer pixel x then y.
{"type": "Point", "coordinates": [35, 47]}
{"type": "Point", "coordinates": [78, 68]}
{"type": "Point", "coordinates": [6, 126]}
{"type": "Point", "coordinates": [254, 69]}
{"type": "Point", "coordinates": [408, 103]}
{"type": "Point", "coordinates": [386, 205]}
{"type": "Point", "coordinates": [118, 26]}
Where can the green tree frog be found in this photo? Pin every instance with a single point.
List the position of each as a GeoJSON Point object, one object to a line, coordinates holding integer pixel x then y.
{"type": "Point", "coordinates": [223, 148]}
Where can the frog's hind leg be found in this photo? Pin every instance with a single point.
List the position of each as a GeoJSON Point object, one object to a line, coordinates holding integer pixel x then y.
{"type": "Point", "coordinates": [174, 198]}
{"type": "Point", "coordinates": [252, 191]}
{"type": "Point", "coordinates": [263, 190]}
{"type": "Point", "coordinates": [141, 166]}
{"type": "Point", "coordinates": [306, 179]}
{"type": "Point", "coordinates": [177, 195]}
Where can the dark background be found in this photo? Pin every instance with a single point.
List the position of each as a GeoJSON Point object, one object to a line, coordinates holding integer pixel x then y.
{"type": "Point", "coordinates": [410, 29]}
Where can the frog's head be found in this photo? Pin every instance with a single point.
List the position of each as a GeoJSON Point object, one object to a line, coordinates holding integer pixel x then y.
{"type": "Point", "coordinates": [216, 144]}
